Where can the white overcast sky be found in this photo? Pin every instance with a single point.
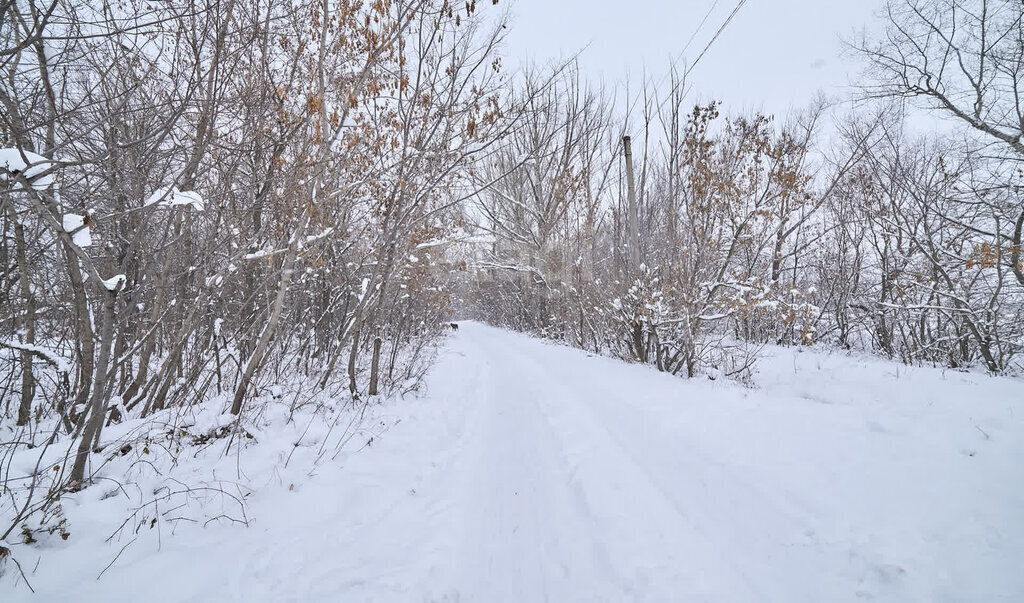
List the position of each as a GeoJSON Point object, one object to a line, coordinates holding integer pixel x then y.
{"type": "Point", "coordinates": [773, 57]}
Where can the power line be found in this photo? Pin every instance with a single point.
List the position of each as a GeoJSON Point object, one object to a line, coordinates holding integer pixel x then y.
{"type": "Point", "coordinates": [703, 21]}
{"type": "Point", "coordinates": [686, 47]}
{"type": "Point", "coordinates": [728, 20]}
{"type": "Point", "coordinates": [721, 28]}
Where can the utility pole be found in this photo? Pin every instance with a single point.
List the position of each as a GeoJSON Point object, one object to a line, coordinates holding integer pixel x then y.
{"type": "Point", "coordinates": [633, 236]}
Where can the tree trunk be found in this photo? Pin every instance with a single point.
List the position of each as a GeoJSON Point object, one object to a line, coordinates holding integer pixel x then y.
{"type": "Point", "coordinates": [28, 324]}
{"type": "Point", "coordinates": [95, 414]}
{"type": "Point", "coordinates": [275, 317]}
{"type": "Point", "coordinates": [86, 345]}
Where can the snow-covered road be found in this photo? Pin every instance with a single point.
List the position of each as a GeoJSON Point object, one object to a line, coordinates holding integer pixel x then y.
{"type": "Point", "coordinates": [532, 472]}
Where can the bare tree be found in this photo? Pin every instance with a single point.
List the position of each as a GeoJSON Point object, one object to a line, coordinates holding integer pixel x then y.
{"type": "Point", "coordinates": [965, 59]}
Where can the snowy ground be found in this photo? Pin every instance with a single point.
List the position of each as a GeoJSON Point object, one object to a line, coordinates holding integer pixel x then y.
{"type": "Point", "coordinates": [533, 472]}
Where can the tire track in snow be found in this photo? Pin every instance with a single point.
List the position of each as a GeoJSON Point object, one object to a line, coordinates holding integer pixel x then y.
{"type": "Point", "coordinates": [524, 535]}
{"type": "Point", "coordinates": [745, 525]}
{"type": "Point", "coordinates": [654, 536]}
